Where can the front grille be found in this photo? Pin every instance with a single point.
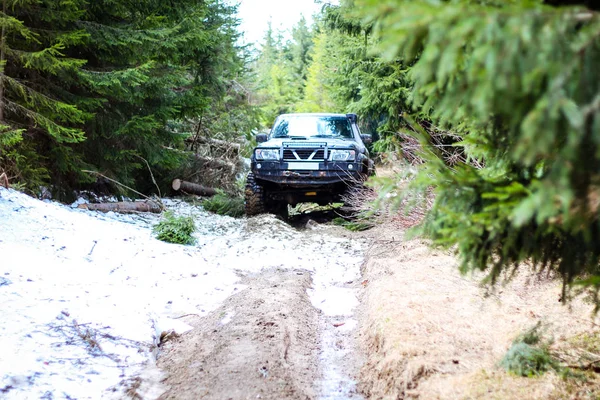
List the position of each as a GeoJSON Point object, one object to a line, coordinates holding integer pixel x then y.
{"type": "Point", "coordinates": [304, 154]}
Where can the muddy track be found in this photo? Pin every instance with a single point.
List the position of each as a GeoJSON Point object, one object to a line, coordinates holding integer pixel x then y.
{"type": "Point", "coordinates": [288, 333]}
{"type": "Point", "coordinates": [261, 344]}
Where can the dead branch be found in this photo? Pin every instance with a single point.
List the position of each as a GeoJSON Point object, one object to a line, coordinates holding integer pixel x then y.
{"type": "Point", "coordinates": [441, 140]}
{"type": "Point", "coordinates": [157, 201]}
{"type": "Point", "coordinates": [4, 180]}
{"type": "Point", "coordinates": [151, 175]}
{"type": "Point", "coordinates": [222, 145]}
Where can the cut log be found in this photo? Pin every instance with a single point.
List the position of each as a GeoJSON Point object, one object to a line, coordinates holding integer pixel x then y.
{"type": "Point", "coordinates": [124, 207]}
{"type": "Point", "coordinates": [193, 188]}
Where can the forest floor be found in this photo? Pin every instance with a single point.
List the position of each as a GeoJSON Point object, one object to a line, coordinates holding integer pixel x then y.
{"type": "Point", "coordinates": [431, 333]}
{"type": "Point", "coordinates": [95, 307]}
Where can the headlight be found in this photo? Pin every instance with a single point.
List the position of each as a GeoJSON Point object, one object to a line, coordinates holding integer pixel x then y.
{"type": "Point", "coordinates": [267, 154]}
{"type": "Point", "coordinates": [342, 155]}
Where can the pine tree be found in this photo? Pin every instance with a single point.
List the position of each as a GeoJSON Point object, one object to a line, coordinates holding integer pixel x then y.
{"type": "Point", "coordinates": [520, 82]}
{"type": "Point", "coordinates": [301, 46]}
{"type": "Point", "coordinates": [361, 82]}
{"type": "Point", "coordinates": [277, 87]}
{"type": "Point", "coordinates": [153, 65]}
{"type": "Point", "coordinates": [35, 100]}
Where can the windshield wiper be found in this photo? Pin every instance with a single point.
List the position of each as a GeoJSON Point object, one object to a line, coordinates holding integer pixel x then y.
{"type": "Point", "coordinates": [291, 137]}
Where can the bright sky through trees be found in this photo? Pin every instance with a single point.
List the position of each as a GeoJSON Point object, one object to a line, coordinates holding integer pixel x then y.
{"type": "Point", "coordinates": [284, 14]}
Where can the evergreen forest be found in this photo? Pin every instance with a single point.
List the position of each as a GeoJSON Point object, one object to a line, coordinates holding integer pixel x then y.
{"type": "Point", "coordinates": [490, 107]}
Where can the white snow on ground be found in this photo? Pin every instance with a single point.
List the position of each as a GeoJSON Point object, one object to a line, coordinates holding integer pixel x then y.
{"type": "Point", "coordinates": [85, 296]}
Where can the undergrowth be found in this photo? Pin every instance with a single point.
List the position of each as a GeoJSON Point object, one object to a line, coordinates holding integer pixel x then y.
{"type": "Point", "coordinates": [354, 226]}
{"type": "Point", "coordinates": [574, 360]}
{"type": "Point", "coordinates": [225, 204]}
{"type": "Point", "coordinates": [529, 354]}
{"type": "Point", "coordinates": [175, 229]}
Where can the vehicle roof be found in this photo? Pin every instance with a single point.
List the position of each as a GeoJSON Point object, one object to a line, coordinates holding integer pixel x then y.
{"type": "Point", "coordinates": [313, 115]}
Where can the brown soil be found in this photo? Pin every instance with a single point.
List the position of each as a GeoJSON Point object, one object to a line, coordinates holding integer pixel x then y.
{"type": "Point", "coordinates": [261, 344]}
{"type": "Point", "coordinates": [426, 332]}
{"type": "Point", "coordinates": [431, 333]}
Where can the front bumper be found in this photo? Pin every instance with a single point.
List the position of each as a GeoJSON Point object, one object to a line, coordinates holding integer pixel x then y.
{"type": "Point", "coordinates": [306, 174]}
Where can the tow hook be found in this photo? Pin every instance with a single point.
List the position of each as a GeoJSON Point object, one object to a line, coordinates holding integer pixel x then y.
{"type": "Point", "coordinates": [287, 174]}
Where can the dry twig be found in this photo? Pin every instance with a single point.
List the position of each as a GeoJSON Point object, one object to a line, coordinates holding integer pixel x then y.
{"type": "Point", "coordinates": [4, 180]}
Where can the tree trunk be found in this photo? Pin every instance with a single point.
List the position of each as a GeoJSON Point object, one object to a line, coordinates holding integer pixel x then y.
{"type": "Point", "coordinates": [125, 207]}
{"type": "Point", "coordinates": [194, 188]}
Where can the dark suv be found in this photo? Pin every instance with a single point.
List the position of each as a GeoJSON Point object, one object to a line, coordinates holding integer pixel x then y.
{"type": "Point", "coordinates": [306, 158]}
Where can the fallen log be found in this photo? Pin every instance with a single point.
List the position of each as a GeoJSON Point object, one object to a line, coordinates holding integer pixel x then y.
{"type": "Point", "coordinates": [194, 188]}
{"type": "Point", "coordinates": [124, 207]}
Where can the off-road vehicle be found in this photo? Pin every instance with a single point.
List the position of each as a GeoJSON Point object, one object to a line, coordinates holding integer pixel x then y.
{"type": "Point", "coordinates": [306, 158]}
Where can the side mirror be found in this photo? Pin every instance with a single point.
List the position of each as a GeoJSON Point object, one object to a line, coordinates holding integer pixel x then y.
{"type": "Point", "coordinates": [367, 139]}
{"type": "Point", "coordinates": [262, 137]}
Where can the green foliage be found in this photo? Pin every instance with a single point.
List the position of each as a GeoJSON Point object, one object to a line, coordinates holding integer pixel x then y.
{"type": "Point", "coordinates": [175, 229]}
{"type": "Point", "coordinates": [154, 66]}
{"type": "Point", "coordinates": [124, 76]}
{"type": "Point", "coordinates": [24, 167]}
{"type": "Point", "coordinates": [519, 82]}
{"type": "Point", "coordinates": [35, 74]}
{"type": "Point", "coordinates": [354, 226]}
{"type": "Point", "coordinates": [317, 97]}
{"type": "Point", "coordinates": [300, 48]}
{"type": "Point", "coordinates": [225, 204]}
{"type": "Point", "coordinates": [525, 360]}
{"type": "Point", "coordinates": [281, 70]}
{"type": "Point", "coordinates": [529, 355]}
{"type": "Point", "coordinates": [9, 137]}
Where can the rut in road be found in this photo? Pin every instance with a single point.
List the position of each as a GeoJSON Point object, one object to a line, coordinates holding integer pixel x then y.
{"type": "Point", "coordinates": [288, 332]}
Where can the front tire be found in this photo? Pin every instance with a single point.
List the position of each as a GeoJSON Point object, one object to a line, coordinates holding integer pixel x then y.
{"type": "Point", "coordinates": [255, 203]}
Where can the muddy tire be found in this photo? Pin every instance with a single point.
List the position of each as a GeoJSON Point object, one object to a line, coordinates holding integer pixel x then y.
{"type": "Point", "coordinates": [255, 203]}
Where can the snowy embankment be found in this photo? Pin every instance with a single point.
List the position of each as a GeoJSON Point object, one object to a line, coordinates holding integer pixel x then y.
{"type": "Point", "coordinates": [85, 296]}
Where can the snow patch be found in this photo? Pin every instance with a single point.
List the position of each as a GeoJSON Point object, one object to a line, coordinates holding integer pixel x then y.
{"type": "Point", "coordinates": [86, 296]}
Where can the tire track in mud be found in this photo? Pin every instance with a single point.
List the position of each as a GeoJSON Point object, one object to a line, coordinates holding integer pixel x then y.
{"type": "Point", "coordinates": [289, 334]}
{"type": "Point", "coordinates": [261, 344]}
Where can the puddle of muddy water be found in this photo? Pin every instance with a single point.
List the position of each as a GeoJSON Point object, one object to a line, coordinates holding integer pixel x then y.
{"type": "Point", "coordinates": [336, 352]}
{"type": "Point", "coordinates": [334, 293]}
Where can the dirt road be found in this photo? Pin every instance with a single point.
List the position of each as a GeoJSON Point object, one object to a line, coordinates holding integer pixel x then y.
{"type": "Point", "coordinates": [289, 332]}
{"type": "Point", "coordinates": [259, 309]}
{"type": "Point", "coordinates": [92, 302]}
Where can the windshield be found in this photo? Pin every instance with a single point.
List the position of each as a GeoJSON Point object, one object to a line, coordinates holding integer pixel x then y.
{"type": "Point", "coordinates": [312, 126]}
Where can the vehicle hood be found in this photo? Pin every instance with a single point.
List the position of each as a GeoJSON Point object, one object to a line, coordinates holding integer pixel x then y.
{"type": "Point", "coordinates": [332, 143]}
